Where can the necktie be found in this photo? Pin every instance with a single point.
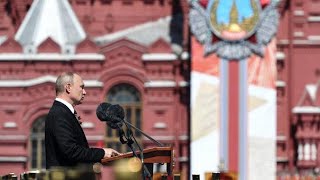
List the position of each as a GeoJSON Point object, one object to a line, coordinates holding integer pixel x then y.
{"type": "Point", "coordinates": [77, 116]}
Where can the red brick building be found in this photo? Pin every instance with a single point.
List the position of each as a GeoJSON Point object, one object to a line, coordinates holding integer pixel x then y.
{"type": "Point", "coordinates": [298, 88]}
{"type": "Point", "coordinates": [133, 53]}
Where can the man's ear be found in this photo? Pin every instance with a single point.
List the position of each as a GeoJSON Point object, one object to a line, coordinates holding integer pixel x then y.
{"type": "Point", "coordinates": [68, 88]}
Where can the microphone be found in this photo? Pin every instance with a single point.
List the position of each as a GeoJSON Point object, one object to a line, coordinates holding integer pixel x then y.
{"type": "Point", "coordinates": [100, 111]}
{"type": "Point", "coordinates": [113, 115]}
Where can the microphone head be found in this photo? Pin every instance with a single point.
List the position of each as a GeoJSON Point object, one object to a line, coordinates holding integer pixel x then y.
{"type": "Point", "coordinates": [112, 114]}
{"type": "Point", "coordinates": [115, 116]}
{"type": "Point", "coordinates": [116, 111]}
{"type": "Point", "coordinates": [101, 111]}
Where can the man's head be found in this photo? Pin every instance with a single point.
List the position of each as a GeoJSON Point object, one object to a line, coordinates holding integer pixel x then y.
{"type": "Point", "coordinates": [70, 87]}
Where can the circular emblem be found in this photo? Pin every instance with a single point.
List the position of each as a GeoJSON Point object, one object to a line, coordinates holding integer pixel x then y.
{"type": "Point", "coordinates": [233, 20]}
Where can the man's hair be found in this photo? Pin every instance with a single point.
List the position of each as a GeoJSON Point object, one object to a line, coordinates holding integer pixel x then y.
{"type": "Point", "coordinates": [62, 80]}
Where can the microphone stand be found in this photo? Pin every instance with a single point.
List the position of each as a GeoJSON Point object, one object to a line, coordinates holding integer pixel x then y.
{"type": "Point", "coordinates": [146, 135]}
{"type": "Point", "coordinates": [146, 172]}
{"type": "Point", "coordinates": [129, 142]}
{"type": "Point", "coordinates": [140, 131]}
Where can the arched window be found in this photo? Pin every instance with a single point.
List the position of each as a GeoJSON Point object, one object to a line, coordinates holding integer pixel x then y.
{"type": "Point", "coordinates": [37, 148]}
{"type": "Point", "coordinates": [129, 98]}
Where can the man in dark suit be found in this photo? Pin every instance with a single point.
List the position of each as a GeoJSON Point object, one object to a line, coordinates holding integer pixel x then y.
{"type": "Point", "coordinates": [65, 141]}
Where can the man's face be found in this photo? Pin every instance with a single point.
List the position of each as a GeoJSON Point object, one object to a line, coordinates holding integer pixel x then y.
{"type": "Point", "coordinates": [77, 91]}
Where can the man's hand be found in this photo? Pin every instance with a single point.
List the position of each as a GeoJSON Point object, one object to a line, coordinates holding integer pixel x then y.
{"type": "Point", "coordinates": [108, 152]}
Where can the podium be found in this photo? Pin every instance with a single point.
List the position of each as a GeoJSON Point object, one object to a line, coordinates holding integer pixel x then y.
{"type": "Point", "coordinates": [151, 156]}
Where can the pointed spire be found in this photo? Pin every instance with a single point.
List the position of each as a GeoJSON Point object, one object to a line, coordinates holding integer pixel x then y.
{"type": "Point", "coordinates": [53, 19]}
{"type": "Point", "coordinates": [312, 91]}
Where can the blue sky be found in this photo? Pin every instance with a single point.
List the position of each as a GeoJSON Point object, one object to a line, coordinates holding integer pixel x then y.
{"type": "Point", "coordinates": [224, 7]}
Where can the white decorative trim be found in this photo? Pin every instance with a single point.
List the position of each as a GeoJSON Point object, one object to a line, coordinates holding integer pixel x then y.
{"type": "Point", "coordinates": [314, 18]}
{"type": "Point", "coordinates": [312, 91]}
{"type": "Point", "coordinates": [51, 57]}
{"type": "Point", "coordinates": [35, 27]}
{"type": "Point", "coordinates": [87, 125]}
{"type": "Point", "coordinates": [280, 83]}
{"type": "Point", "coordinates": [281, 138]}
{"type": "Point", "coordinates": [159, 57]}
{"type": "Point", "coordinates": [314, 38]}
{"type": "Point", "coordinates": [183, 84]}
{"type": "Point", "coordinates": [10, 124]}
{"type": "Point", "coordinates": [298, 34]}
{"type": "Point", "coordinates": [43, 79]}
{"type": "Point", "coordinates": [13, 137]}
{"type": "Point", "coordinates": [164, 83]}
{"type": "Point", "coordinates": [120, 34]}
{"type": "Point", "coordinates": [93, 83]}
{"type": "Point", "coordinates": [3, 39]}
{"type": "Point", "coordinates": [95, 138]}
{"type": "Point", "coordinates": [306, 109]}
{"type": "Point", "coordinates": [298, 13]}
{"type": "Point", "coordinates": [280, 55]}
{"type": "Point", "coordinates": [160, 84]}
{"type": "Point", "coordinates": [283, 41]}
{"type": "Point", "coordinates": [13, 159]}
{"type": "Point", "coordinates": [299, 42]}
{"type": "Point", "coordinates": [183, 137]}
{"type": "Point", "coordinates": [160, 125]}
{"type": "Point", "coordinates": [306, 42]}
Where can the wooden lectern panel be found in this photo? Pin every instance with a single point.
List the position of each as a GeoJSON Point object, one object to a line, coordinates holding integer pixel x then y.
{"type": "Point", "coordinates": [150, 155]}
